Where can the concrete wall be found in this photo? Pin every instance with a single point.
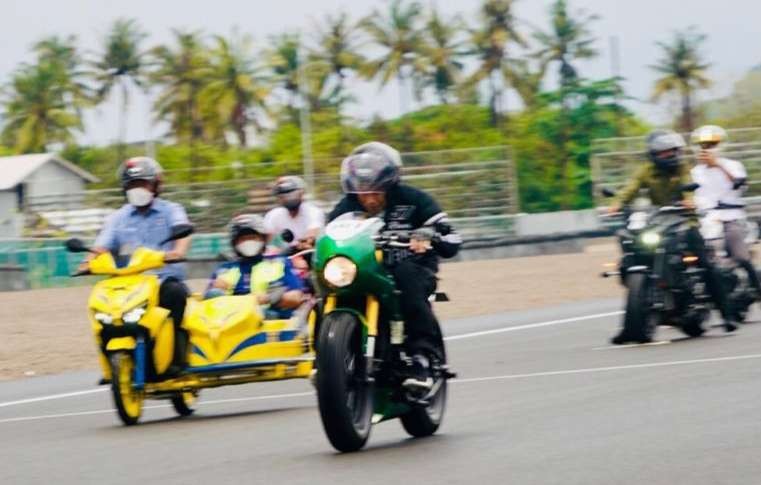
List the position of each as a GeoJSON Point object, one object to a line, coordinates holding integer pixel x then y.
{"type": "Point", "coordinates": [13, 278]}
{"type": "Point", "coordinates": [554, 223]}
{"type": "Point", "coordinates": [10, 220]}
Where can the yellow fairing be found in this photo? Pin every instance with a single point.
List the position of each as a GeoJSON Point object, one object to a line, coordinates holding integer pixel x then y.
{"type": "Point", "coordinates": [121, 343]}
{"type": "Point", "coordinates": [161, 328]}
{"type": "Point", "coordinates": [143, 259]}
{"type": "Point", "coordinates": [230, 329]}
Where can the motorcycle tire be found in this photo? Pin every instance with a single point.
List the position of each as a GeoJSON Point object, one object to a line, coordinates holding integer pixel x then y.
{"type": "Point", "coordinates": [639, 324]}
{"type": "Point", "coordinates": [425, 421]}
{"type": "Point", "coordinates": [344, 397]}
{"type": "Point", "coordinates": [128, 402]}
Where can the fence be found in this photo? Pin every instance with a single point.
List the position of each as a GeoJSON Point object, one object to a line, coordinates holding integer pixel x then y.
{"type": "Point", "coordinates": [615, 159]}
{"type": "Point", "coordinates": [477, 187]}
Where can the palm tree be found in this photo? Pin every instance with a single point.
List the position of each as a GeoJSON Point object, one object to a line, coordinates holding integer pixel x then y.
{"type": "Point", "coordinates": [569, 40]}
{"type": "Point", "coordinates": [398, 34]}
{"type": "Point", "coordinates": [337, 45]}
{"type": "Point", "coordinates": [181, 73]}
{"type": "Point", "coordinates": [682, 71]}
{"type": "Point", "coordinates": [283, 58]}
{"type": "Point", "coordinates": [490, 44]}
{"type": "Point", "coordinates": [121, 64]}
{"type": "Point", "coordinates": [236, 86]}
{"type": "Point", "coordinates": [442, 52]}
{"type": "Point", "coordinates": [526, 78]}
{"type": "Point", "coordinates": [38, 109]}
{"type": "Point", "coordinates": [61, 54]}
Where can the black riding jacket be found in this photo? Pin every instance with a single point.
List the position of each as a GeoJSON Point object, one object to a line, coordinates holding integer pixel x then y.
{"type": "Point", "coordinates": [407, 209]}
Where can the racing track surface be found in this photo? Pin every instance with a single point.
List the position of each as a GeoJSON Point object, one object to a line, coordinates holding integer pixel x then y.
{"type": "Point", "coordinates": [540, 399]}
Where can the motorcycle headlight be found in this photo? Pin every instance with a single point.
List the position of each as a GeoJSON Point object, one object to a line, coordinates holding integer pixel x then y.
{"type": "Point", "coordinates": [103, 318]}
{"type": "Point", "coordinates": [651, 238]}
{"type": "Point", "coordinates": [134, 315]}
{"type": "Point", "coordinates": [340, 272]}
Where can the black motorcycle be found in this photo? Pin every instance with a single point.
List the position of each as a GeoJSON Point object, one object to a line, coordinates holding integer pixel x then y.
{"type": "Point", "coordinates": [666, 283]}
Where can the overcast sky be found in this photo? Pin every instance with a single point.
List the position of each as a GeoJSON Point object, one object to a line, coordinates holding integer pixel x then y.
{"type": "Point", "coordinates": [732, 25]}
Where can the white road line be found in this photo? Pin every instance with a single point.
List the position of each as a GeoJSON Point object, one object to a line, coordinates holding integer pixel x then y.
{"type": "Point", "coordinates": [608, 369]}
{"type": "Point", "coordinates": [157, 406]}
{"type": "Point", "coordinates": [632, 346]}
{"type": "Point", "coordinates": [454, 381]}
{"type": "Point", "coordinates": [532, 325]}
{"type": "Point", "coordinates": [53, 396]}
{"type": "Point", "coordinates": [450, 338]}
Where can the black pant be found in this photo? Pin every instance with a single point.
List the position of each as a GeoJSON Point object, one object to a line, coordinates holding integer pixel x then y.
{"type": "Point", "coordinates": [173, 296]}
{"type": "Point", "coordinates": [714, 282]}
{"type": "Point", "coordinates": [417, 283]}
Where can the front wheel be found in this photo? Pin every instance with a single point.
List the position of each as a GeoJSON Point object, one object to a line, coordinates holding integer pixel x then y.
{"type": "Point", "coordinates": [639, 320]}
{"type": "Point", "coordinates": [344, 395]}
{"type": "Point", "coordinates": [128, 401]}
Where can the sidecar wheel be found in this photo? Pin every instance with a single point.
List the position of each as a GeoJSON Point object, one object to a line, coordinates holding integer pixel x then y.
{"type": "Point", "coordinates": [183, 402]}
{"type": "Point", "coordinates": [344, 396]}
{"type": "Point", "coordinates": [128, 401]}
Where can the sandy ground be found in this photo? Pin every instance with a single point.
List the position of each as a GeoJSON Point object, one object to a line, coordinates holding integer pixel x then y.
{"type": "Point", "coordinates": [46, 331]}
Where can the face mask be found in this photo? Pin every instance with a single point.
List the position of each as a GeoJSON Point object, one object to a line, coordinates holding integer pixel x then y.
{"type": "Point", "coordinates": [249, 249]}
{"type": "Point", "coordinates": [139, 197]}
{"type": "Point", "coordinates": [712, 151]}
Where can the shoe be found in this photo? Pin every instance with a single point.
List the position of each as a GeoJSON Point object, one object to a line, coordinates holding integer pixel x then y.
{"type": "Point", "coordinates": [620, 339]}
{"type": "Point", "coordinates": [730, 326]}
{"type": "Point", "coordinates": [420, 379]}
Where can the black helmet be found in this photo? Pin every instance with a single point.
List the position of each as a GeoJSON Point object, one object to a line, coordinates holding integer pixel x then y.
{"type": "Point", "coordinates": [246, 224]}
{"type": "Point", "coordinates": [372, 167]}
{"type": "Point", "coordinates": [140, 168]}
{"type": "Point", "coordinates": [665, 140]}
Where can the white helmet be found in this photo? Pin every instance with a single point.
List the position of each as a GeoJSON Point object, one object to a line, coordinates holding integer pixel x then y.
{"type": "Point", "coordinates": [709, 134]}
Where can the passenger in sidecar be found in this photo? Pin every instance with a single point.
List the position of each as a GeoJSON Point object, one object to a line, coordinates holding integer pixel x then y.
{"type": "Point", "coordinates": [271, 279]}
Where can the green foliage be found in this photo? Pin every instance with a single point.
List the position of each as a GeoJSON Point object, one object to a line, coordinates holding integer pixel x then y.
{"type": "Point", "coordinates": [552, 144]}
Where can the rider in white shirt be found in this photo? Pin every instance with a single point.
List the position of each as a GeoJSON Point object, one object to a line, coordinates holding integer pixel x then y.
{"type": "Point", "coordinates": [304, 219]}
{"type": "Point", "coordinates": [721, 183]}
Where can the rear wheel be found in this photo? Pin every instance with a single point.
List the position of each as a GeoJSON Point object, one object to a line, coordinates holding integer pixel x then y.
{"type": "Point", "coordinates": [128, 401]}
{"type": "Point", "coordinates": [639, 320]}
{"type": "Point", "coordinates": [425, 421]}
{"type": "Point", "coordinates": [343, 393]}
{"type": "Point", "coordinates": [183, 402]}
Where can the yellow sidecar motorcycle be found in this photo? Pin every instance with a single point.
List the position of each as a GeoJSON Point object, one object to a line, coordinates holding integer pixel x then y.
{"type": "Point", "coordinates": [230, 342]}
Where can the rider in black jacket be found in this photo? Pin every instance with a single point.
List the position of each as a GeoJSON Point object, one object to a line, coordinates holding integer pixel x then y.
{"type": "Point", "coordinates": [370, 178]}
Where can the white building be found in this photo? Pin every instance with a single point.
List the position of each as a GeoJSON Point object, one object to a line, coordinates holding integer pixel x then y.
{"type": "Point", "coordinates": [36, 177]}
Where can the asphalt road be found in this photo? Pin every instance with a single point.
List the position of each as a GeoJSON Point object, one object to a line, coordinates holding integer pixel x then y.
{"type": "Point", "coordinates": [540, 398]}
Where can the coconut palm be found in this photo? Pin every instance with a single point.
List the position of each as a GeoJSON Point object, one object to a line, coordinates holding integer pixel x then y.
{"type": "Point", "coordinates": [121, 65]}
{"type": "Point", "coordinates": [38, 109]}
{"type": "Point", "coordinates": [181, 73]}
{"type": "Point", "coordinates": [568, 40]}
{"type": "Point", "coordinates": [443, 52]}
{"type": "Point", "coordinates": [337, 43]}
{"type": "Point", "coordinates": [399, 35]}
{"type": "Point", "coordinates": [490, 43]}
{"type": "Point", "coordinates": [61, 54]}
{"type": "Point", "coordinates": [283, 58]}
{"type": "Point", "coordinates": [682, 71]}
{"type": "Point", "coordinates": [236, 88]}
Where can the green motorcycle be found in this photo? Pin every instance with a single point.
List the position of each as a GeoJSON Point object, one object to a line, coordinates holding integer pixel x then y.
{"type": "Point", "coordinates": [361, 361]}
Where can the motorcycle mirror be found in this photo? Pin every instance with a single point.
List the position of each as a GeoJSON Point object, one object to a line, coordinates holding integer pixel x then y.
{"type": "Point", "coordinates": [180, 231]}
{"type": "Point", "coordinates": [75, 245]}
{"type": "Point", "coordinates": [287, 236]}
{"type": "Point", "coordinates": [606, 192]}
{"type": "Point", "coordinates": [690, 187]}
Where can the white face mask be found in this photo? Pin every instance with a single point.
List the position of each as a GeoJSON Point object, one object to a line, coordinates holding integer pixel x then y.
{"type": "Point", "coordinates": [139, 197]}
{"type": "Point", "coordinates": [249, 248]}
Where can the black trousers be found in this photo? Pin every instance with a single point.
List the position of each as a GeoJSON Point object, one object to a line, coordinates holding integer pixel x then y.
{"type": "Point", "coordinates": [173, 295]}
{"type": "Point", "coordinates": [416, 283]}
{"type": "Point", "coordinates": [716, 287]}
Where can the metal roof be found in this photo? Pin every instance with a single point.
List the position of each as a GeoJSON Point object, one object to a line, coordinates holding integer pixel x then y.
{"type": "Point", "coordinates": [15, 169]}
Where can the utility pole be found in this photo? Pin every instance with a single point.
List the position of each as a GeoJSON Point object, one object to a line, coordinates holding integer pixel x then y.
{"type": "Point", "coordinates": [305, 122]}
